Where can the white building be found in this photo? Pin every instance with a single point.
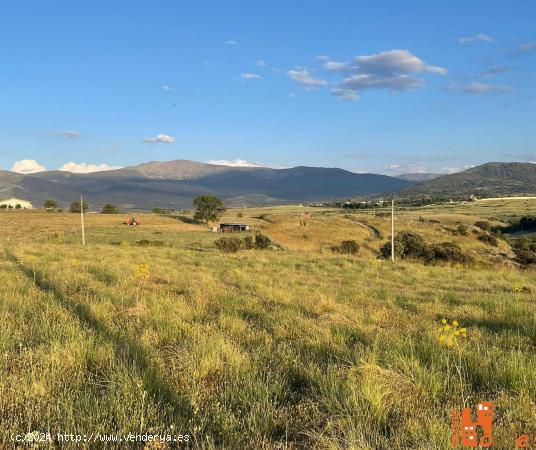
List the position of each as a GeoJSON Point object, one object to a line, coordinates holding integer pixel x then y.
{"type": "Point", "coordinates": [13, 202]}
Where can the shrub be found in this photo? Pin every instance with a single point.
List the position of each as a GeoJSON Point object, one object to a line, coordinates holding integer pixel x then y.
{"type": "Point", "coordinates": [249, 243]}
{"type": "Point", "coordinates": [228, 244]}
{"type": "Point", "coordinates": [449, 252]}
{"type": "Point", "coordinates": [262, 242]}
{"type": "Point", "coordinates": [240, 214]}
{"type": "Point", "coordinates": [488, 239]}
{"type": "Point", "coordinates": [525, 257]}
{"type": "Point", "coordinates": [407, 245]}
{"type": "Point", "coordinates": [483, 225]}
{"type": "Point", "coordinates": [147, 243]}
{"type": "Point", "coordinates": [347, 247]}
{"type": "Point", "coordinates": [462, 230]}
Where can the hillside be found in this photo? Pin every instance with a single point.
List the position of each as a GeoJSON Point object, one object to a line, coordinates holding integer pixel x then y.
{"type": "Point", "coordinates": [174, 184]}
{"type": "Point", "coordinates": [494, 179]}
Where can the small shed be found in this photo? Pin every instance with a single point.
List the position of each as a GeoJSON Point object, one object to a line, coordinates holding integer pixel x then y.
{"type": "Point", "coordinates": [233, 227]}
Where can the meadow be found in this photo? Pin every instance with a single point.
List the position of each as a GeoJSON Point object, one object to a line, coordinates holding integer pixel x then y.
{"type": "Point", "coordinates": [151, 329]}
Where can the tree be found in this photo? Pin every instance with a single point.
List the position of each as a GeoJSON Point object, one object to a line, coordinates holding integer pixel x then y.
{"type": "Point", "coordinates": [208, 207]}
{"type": "Point", "coordinates": [75, 207]}
{"type": "Point", "coordinates": [110, 209]}
{"type": "Point", "coordinates": [51, 205]}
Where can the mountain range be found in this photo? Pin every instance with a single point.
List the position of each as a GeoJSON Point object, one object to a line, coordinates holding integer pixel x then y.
{"type": "Point", "coordinates": [173, 184]}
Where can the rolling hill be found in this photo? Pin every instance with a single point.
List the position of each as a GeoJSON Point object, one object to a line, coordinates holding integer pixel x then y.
{"type": "Point", "coordinates": [494, 179]}
{"type": "Point", "coordinates": [174, 184]}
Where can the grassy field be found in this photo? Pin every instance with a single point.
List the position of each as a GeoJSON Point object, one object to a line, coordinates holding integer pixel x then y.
{"type": "Point", "coordinates": [295, 347]}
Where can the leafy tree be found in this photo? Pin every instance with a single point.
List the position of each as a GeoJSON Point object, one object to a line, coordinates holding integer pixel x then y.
{"type": "Point", "coordinates": [209, 208]}
{"type": "Point", "coordinates": [75, 207]}
{"type": "Point", "coordinates": [110, 209]}
{"type": "Point", "coordinates": [51, 205]}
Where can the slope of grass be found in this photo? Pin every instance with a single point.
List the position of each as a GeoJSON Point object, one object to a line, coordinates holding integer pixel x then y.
{"type": "Point", "coordinates": [259, 349]}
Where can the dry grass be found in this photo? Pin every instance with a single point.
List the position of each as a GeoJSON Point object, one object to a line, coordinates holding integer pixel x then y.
{"type": "Point", "coordinates": [259, 349]}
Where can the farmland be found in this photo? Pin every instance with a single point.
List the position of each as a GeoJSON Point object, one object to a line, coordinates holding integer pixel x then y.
{"type": "Point", "coordinates": [151, 329]}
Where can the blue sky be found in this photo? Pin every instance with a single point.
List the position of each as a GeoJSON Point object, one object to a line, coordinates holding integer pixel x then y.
{"type": "Point", "coordinates": [384, 86]}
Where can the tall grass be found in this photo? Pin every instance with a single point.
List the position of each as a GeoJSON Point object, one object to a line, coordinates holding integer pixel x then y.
{"type": "Point", "coordinates": [258, 349]}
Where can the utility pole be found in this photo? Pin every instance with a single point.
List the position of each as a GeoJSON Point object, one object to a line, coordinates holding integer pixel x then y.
{"type": "Point", "coordinates": [82, 220]}
{"type": "Point", "coordinates": [392, 230]}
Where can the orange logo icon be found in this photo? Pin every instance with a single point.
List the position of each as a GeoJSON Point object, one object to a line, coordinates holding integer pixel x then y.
{"type": "Point", "coordinates": [522, 441]}
{"type": "Point", "coordinates": [463, 427]}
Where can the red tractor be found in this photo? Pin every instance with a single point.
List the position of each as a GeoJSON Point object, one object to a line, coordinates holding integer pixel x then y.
{"type": "Point", "coordinates": [132, 222]}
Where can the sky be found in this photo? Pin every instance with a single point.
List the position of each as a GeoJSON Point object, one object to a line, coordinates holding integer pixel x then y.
{"type": "Point", "coordinates": [369, 86]}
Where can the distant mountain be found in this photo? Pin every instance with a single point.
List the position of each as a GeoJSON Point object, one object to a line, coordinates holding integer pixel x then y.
{"type": "Point", "coordinates": [418, 177]}
{"type": "Point", "coordinates": [494, 179]}
{"type": "Point", "coordinates": [174, 184]}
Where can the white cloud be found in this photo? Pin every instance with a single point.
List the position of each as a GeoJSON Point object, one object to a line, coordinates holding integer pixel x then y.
{"type": "Point", "coordinates": [405, 168]}
{"type": "Point", "coordinates": [335, 66]}
{"type": "Point", "coordinates": [396, 82]}
{"type": "Point", "coordinates": [231, 42]}
{"type": "Point", "coordinates": [345, 94]}
{"type": "Point", "coordinates": [26, 166]}
{"type": "Point", "coordinates": [392, 69]}
{"type": "Point", "coordinates": [479, 37]}
{"type": "Point", "coordinates": [167, 88]}
{"type": "Point", "coordinates": [250, 76]}
{"type": "Point", "coordinates": [261, 63]}
{"type": "Point", "coordinates": [304, 77]}
{"type": "Point", "coordinates": [527, 47]}
{"type": "Point", "coordinates": [449, 170]}
{"type": "Point", "coordinates": [233, 163]}
{"type": "Point", "coordinates": [164, 138]}
{"type": "Point", "coordinates": [394, 62]}
{"type": "Point", "coordinates": [86, 168]}
{"type": "Point", "coordinates": [68, 133]}
{"type": "Point", "coordinates": [495, 70]}
{"type": "Point", "coordinates": [481, 88]}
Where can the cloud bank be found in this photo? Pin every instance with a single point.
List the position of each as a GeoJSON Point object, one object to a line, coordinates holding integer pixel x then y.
{"type": "Point", "coordinates": [27, 166]}
{"type": "Point", "coordinates": [160, 138]}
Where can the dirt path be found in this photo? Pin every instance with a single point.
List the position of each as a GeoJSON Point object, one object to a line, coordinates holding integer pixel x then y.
{"type": "Point", "coordinates": [373, 230]}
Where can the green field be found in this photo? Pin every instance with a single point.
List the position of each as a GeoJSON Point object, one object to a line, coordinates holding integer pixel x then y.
{"type": "Point", "coordinates": [290, 347]}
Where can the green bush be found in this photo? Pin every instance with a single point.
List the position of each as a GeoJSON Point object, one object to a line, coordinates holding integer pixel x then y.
{"type": "Point", "coordinates": [462, 230]}
{"type": "Point", "coordinates": [408, 245]}
{"type": "Point", "coordinates": [228, 244]}
{"type": "Point", "coordinates": [488, 239]}
{"type": "Point", "coordinates": [262, 242]}
{"type": "Point", "coordinates": [449, 252]}
{"type": "Point", "coordinates": [525, 257]}
{"type": "Point", "coordinates": [148, 243]}
{"type": "Point", "coordinates": [349, 247]}
{"type": "Point", "coordinates": [249, 243]}
{"type": "Point", "coordinates": [483, 225]}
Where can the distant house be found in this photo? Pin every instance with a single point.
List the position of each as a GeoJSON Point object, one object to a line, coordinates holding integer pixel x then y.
{"type": "Point", "coordinates": [233, 227]}
{"type": "Point", "coordinates": [15, 203]}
